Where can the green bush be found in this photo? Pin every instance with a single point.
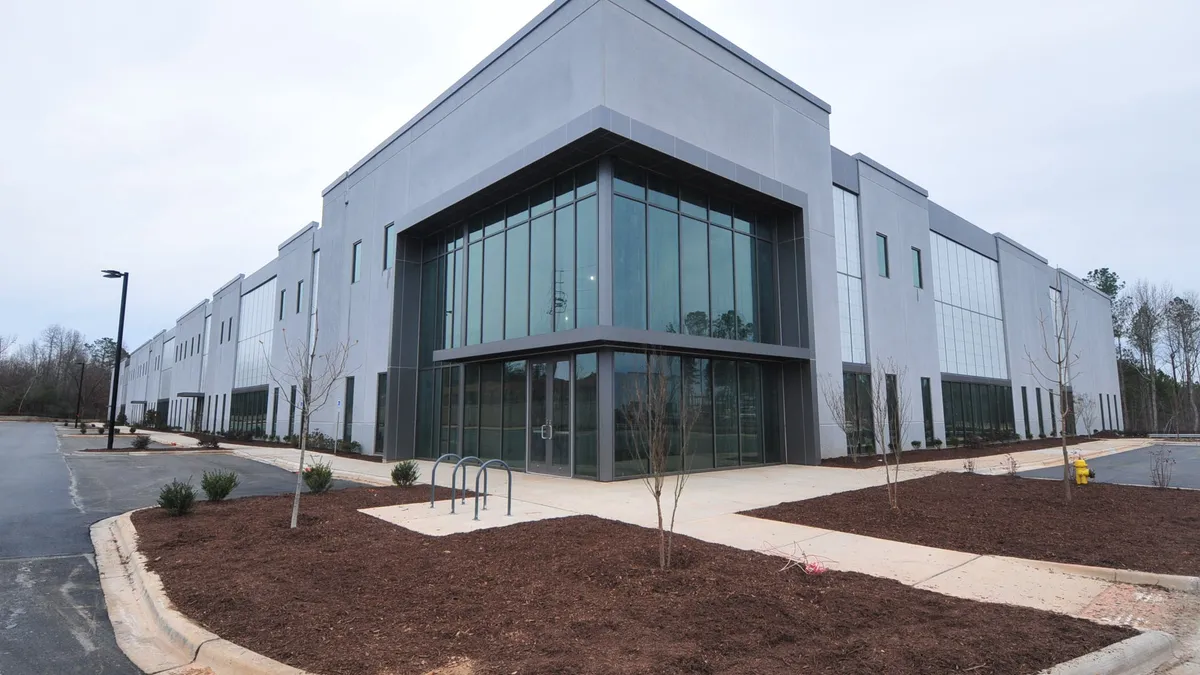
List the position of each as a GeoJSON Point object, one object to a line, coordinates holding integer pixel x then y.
{"type": "Point", "coordinates": [405, 473]}
{"type": "Point", "coordinates": [209, 441]}
{"type": "Point", "coordinates": [132, 429]}
{"type": "Point", "coordinates": [83, 430]}
{"type": "Point", "coordinates": [218, 484]}
{"type": "Point", "coordinates": [318, 477]}
{"type": "Point", "coordinates": [177, 498]}
{"type": "Point", "coordinates": [140, 442]}
{"type": "Point", "coordinates": [349, 446]}
{"type": "Point", "coordinates": [121, 418]}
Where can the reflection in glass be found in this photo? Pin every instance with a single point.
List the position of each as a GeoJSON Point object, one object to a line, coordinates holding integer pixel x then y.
{"type": "Point", "coordinates": [586, 411]}
{"type": "Point", "coordinates": [491, 410]}
{"type": "Point", "coordinates": [629, 263]}
{"type": "Point", "coordinates": [493, 289]}
{"type": "Point", "coordinates": [587, 298]}
{"type": "Point", "coordinates": [663, 244]}
{"type": "Point", "coordinates": [694, 276]}
{"type": "Point", "coordinates": [516, 284]}
{"type": "Point", "coordinates": [514, 414]}
{"type": "Point", "coordinates": [725, 412]}
{"type": "Point", "coordinates": [629, 377]}
{"type": "Point", "coordinates": [475, 293]}
{"type": "Point", "coordinates": [720, 257]}
{"type": "Point", "coordinates": [743, 284]}
{"type": "Point", "coordinates": [564, 268]}
{"type": "Point", "coordinates": [541, 275]}
{"type": "Point", "coordinates": [697, 375]}
{"type": "Point", "coordinates": [470, 409]}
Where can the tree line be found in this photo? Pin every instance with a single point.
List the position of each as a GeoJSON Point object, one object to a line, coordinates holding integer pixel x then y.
{"type": "Point", "coordinates": [49, 374]}
{"type": "Point", "coordinates": [1157, 334]}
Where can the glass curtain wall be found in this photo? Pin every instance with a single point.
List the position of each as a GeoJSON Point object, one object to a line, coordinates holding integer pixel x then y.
{"type": "Point", "coordinates": [686, 261]}
{"type": "Point", "coordinates": [970, 321]}
{"type": "Point", "coordinates": [849, 279]}
{"type": "Point", "coordinates": [733, 406]}
{"type": "Point", "coordinates": [248, 412]}
{"type": "Point", "coordinates": [977, 412]}
{"type": "Point", "coordinates": [255, 320]}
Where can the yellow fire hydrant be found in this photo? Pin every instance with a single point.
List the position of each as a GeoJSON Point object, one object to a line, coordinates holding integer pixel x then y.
{"type": "Point", "coordinates": [1081, 472]}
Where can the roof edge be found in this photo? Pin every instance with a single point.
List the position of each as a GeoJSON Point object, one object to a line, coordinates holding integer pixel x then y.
{"type": "Point", "coordinates": [891, 174]}
{"type": "Point", "coordinates": [541, 18]}
{"type": "Point", "coordinates": [1020, 247]}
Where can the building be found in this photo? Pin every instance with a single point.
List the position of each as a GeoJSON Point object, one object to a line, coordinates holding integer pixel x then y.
{"type": "Point", "coordinates": [616, 180]}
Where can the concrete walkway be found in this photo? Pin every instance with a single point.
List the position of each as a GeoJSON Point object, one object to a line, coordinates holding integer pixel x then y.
{"type": "Point", "coordinates": [709, 511]}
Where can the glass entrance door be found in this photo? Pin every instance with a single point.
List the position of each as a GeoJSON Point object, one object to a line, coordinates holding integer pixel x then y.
{"type": "Point", "coordinates": [550, 417]}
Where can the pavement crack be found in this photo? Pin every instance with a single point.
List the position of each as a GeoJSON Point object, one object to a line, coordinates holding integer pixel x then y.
{"type": "Point", "coordinates": [948, 569]}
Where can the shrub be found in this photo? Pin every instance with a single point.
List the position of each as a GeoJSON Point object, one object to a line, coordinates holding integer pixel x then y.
{"type": "Point", "coordinates": [218, 484]}
{"type": "Point", "coordinates": [936, 444]}
{"type": "Point", "coordinates": [209, 441]}
{"type": "Point", "coordinates": [349, 446]}
{"type": "Point", "coordinates": [66, 424]}
{"type": "Point", "coordinates": [1028, 436]}
{"type": "Point", "coordinates": [318, 477]}
{"type": "Point", "coordinates": [140, 442]}
{"type": "Point", "coordinates": [177, 498]}
{"type": "Point", "coordinates": [83, 430]}
{"type": "Point", "coordinates": [969, 466]}
{"type": "Point", "coordinates": [405, 473]}
{"type": "Point", "coordinates": [1041, 435]}
{"type": "Point", "coordinates": [132, 429]}
{"type": "Point", "coordinates": [121, 419]}
{"type": "Point", "coordinates": [916, 445]}
{"type": "Point", "coordinates": [1162, 465]}
{"type": "Point", "coordinates": [1010, 466]}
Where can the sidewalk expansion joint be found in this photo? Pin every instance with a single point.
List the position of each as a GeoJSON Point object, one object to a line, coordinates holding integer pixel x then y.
{"type": "Point", "coordinates": [948, 569]}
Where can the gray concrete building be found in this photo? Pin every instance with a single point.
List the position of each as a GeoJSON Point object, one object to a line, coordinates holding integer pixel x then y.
{"type": "Point", "coordinates": [615, 191]}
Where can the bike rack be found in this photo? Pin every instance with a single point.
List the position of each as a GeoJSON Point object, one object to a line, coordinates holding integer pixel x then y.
{"type": "Point", "coordinates": [483, 472]}
{"type": "Point", "coordinates": [433, 477]}
{"type": "Point", "coordinates": [454, 475]}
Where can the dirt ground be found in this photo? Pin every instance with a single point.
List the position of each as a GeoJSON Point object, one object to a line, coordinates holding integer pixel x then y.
{"type": "Point", "coordinates": [348, 593]}
{"type": "Point", "coordinates": [1106, 525]}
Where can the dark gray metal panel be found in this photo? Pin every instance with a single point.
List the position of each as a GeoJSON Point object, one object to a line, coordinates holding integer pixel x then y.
{"type": "Point", "coordinates": [952, 226]}
{"type": "Point", "coordinates": [604, 234]}
{"type": "Point", "coordinates": [623, 337]}
{"type": "Point", "coordinates": [400, 423]}
{"type": "Point", "coordinates": [845, 170]}
{"type": "Point", "coordinates": [606, 425]}
{"type": "Point", "coordinates": [789, 300]}
{"type": "Point", "coordinates": [804, 313]}
{"type": "Point", "coordinates": [795, 419]}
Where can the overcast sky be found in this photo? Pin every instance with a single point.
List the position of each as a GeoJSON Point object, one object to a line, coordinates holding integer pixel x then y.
{"type": "Point", "coordinates": [184, 141]}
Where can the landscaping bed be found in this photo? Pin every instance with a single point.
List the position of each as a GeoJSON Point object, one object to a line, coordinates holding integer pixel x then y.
{"type": "Point", "coordinates": [961, 452]}
{"type": "Point", "coordinates": [348, 593]}
{"type": "Point", "coordinates": [272, 444]}
{"type": "Point", "coordinates": [1105, 525]}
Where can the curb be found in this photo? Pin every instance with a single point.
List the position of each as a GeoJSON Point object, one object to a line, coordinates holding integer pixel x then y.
{"type": "Point", "coordinates": [1138, 655]}
{"type": "Point", "coordinates": [290, 465]}
{"type": "Point", "coordinates": [155, 636]}
{"type": "Point", "coordinates": [1171, 582]}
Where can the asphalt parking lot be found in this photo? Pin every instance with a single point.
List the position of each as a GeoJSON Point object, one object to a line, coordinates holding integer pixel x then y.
{"type": "Point", "coordinates": [1134, 467]}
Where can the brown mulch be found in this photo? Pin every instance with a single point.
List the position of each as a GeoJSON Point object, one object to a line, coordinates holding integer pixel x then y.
{"type": "Point", "coordinates": [348, 593]}
{"type": "Point", "coordinates": [929, 455]}
{"type": "Point", "coordinates": [1105, 525]}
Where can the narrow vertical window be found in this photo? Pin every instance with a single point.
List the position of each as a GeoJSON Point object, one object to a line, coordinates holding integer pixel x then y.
{"type": "Point", "coordinates": [1025, 410]}
{"type": "Point", "coordinates": [881, 252]}
{"type": "Point", "coordinates": [299, 295]}
{"type": "Point", "coordinates": [355, 262]}
{"type": "Point", "coordinates": [927, 408]}
{"type": "Point", "coordinates": [282, 303]}
{"type": "Point", "coordinates": [918, 281]}
{"type": "Point", "coordinates": [1037, 392]}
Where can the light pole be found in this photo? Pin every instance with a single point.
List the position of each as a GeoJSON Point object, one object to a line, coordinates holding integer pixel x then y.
{"type": "Point", "coordinates": [79, 398]}
{"type": "Point", "coordinates": [112, 410]}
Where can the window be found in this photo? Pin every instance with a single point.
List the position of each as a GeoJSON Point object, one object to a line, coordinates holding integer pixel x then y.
{"type": "Point", "coordinates": [849, 267]}
{"type": "Point", "coordinates": [918, 281]}
{"type": "Point", "coordinates": [1041, 423]}
{"type": "Point", "coordinates": [690, 262]}
{"type": "Point", "coordinates": [252, 361]}
{"type": "Point", "coordinates": [967, 310]}
{"type": "Point", "coordinates": [299, 295]}
{"type": "Point", "coordinates": [1053, 415]}
{"type": "Point", "coordinates": [977, 412]}
{"type": "Point", "coordinates": [881, 255]}
{"type": "Point", "coordinates": [347, 421]}
{"type": "Point", "coordinates": [355, 262]}
{"type": "Point", "coordinates": [927, 408]}
{"type": "Point", "coordinates": [275, 413]}
{"type": "Point", "coordinates": [380, 410]}
{"type": "Point", "coordinates": [282, 303]}
{"type": "Point", "coordinates": [860, 425]}
{"type": "Point", "coordinates": [389, 246]}
{"type": "Point", "coordinates": [1025, 410]}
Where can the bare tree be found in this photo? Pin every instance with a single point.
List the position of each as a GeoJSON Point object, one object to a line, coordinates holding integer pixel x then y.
{"type": "Point", "coordinates": [890, 408]}
{"type": "Point", "coordinates": [1182, 337]}
{"type": "Point", "coordinates": [661, 422]}
{"type": "Point", "coordinates": [1145, 331]}
{"type": "Point", "coordinates": [1058, 339]}
{"type": "Point", "coordinates": [833, 393]}
{"type": "Point", "coordinates": [1085, 412]}
{"type": "Point", "coordinates": [315, 376]}
{"type": "Point", "coordinates": [6, 343]}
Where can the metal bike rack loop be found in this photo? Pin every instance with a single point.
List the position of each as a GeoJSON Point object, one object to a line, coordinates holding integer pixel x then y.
{"type": "Point", "coordinates": [433, 477]}
{"type": "Point", "coordinates": [464, 462]}
{"type": "Point", "coordinates": [483, 472]}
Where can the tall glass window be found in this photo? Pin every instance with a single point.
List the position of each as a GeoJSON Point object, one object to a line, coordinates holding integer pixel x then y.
{"type": "Point", "coordinates": [918, 280]}
{"type": "Point", "coordinates": [389, 246]}
{"type": "Point", "coordinates": [528, 266]}
{"type": "Point", "coordinates": [252, 363]}
{"type": "Point", "coordinates": [927, 408]}
{"type": "Point", "coordinates": [881, 252]}
{"type": "Point", "coordinates": [849, 279]}
{"type": "Point", "coordinates": [970, 320]}
{"type": "Point", "coordinates": [686, 261]}
{"type": "Point", "coordinates": [514, 414]}
{"type": "Point", "coordinates": [356, 262]}
{"type": "Point", "coordinates": [860, 417]}
{"type": "Point", "coordinates": [586, 411]}
{"type": "Point", "coordinates": [977, 412]}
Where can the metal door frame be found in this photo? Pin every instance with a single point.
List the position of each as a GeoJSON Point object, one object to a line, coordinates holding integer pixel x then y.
{"type": "Point", "coordinates": [543, 466]}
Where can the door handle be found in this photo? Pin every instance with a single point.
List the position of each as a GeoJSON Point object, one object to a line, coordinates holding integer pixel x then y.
{"type": "Point", "coordinates": [547, 431]}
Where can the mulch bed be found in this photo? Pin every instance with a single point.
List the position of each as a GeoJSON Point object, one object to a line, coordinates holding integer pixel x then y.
{"type": "Point", "coordinates": [1119, 526]}
{"type": "Point", "coordinates": [161, 448]}
{"type": "Point", "coordinates": [348, 593]}
{"type": "Point", "coordinates": [929, 455]}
